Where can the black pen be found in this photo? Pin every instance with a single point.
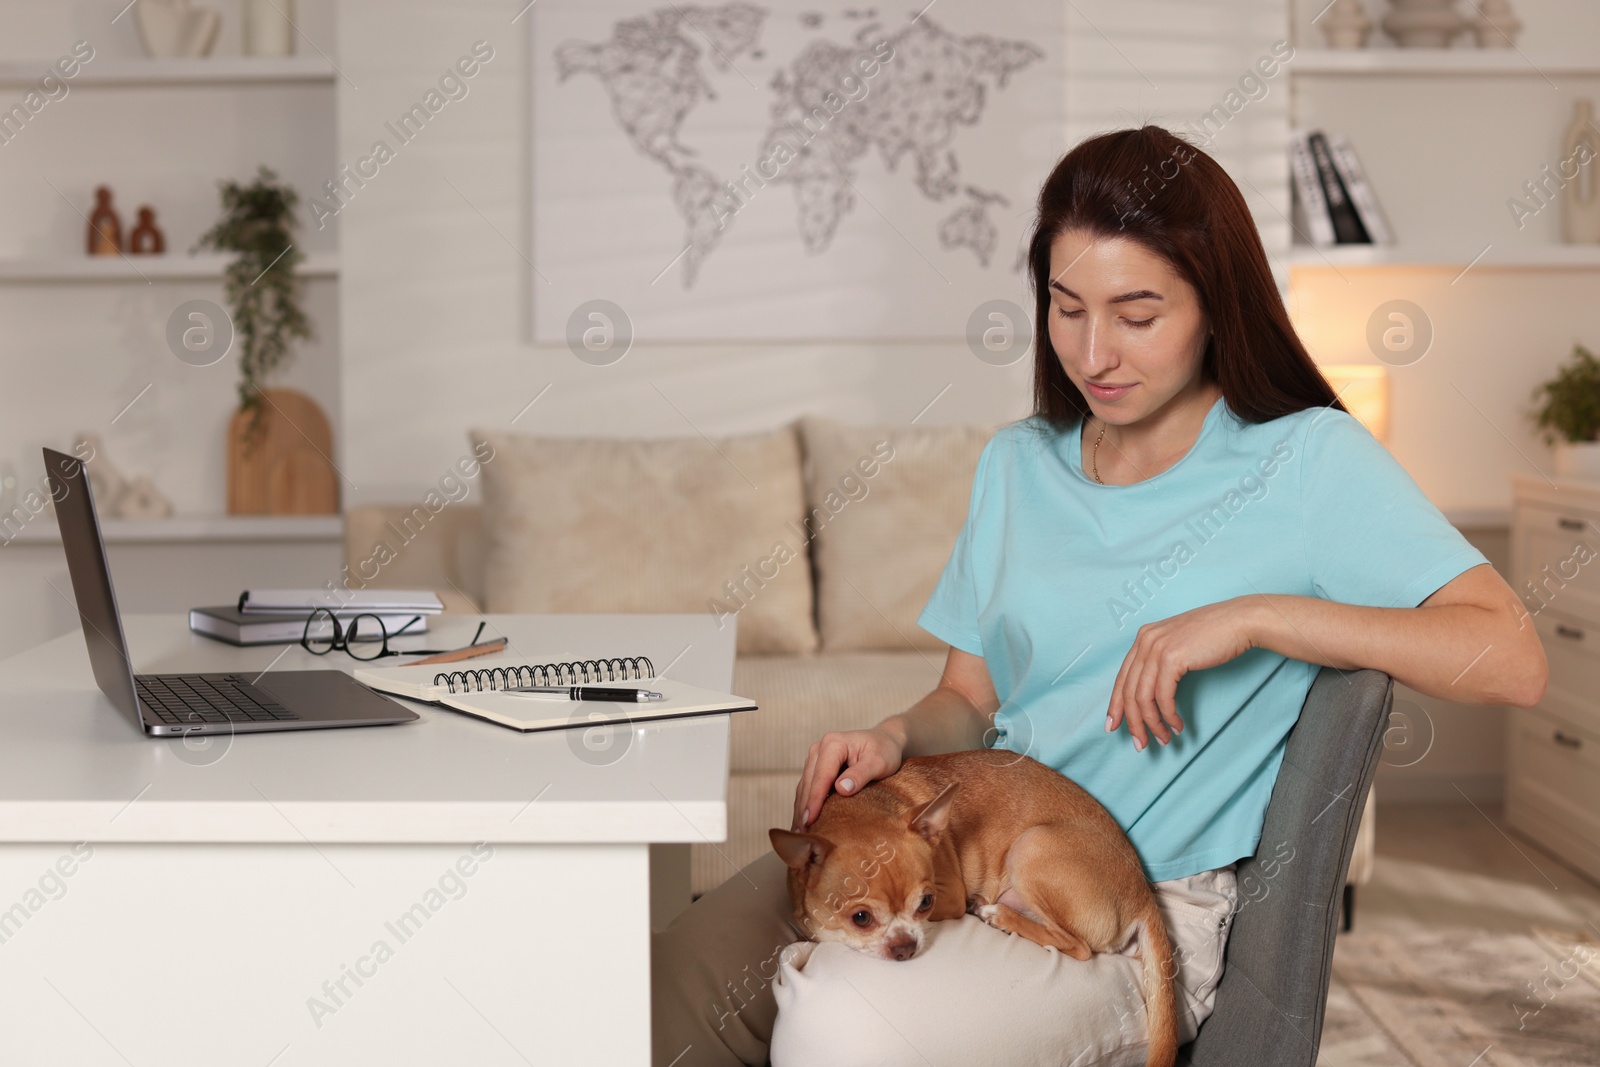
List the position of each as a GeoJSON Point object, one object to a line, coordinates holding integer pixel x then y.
{"type": "Point", "coordinates": [588, 692]}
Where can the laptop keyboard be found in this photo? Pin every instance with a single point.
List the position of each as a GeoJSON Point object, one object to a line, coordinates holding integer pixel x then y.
{"type": "Point", "coordinates": [187, 699]}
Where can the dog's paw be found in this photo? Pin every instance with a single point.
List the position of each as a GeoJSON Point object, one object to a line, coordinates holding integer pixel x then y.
{"type": "Point", "coordinates": [988, 913]}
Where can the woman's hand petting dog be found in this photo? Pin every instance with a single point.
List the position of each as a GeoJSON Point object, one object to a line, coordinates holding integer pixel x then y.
{"type": "Point", "coordinates": [846, 760]}
{"type": "Point", "coordinates": [1146, 689]}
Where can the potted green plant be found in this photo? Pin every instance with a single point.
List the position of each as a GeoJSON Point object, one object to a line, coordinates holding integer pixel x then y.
{"type": "Point", "coordinates": [1569, 415]}
{"type": "Point", "coordinates": [262, 289]}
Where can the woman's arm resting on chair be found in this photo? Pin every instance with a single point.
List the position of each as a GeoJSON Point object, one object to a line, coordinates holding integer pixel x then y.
{"type": "Point", "coordinates": [952, 718]}
{"type": "Point", "coordinates": [1472, 642]}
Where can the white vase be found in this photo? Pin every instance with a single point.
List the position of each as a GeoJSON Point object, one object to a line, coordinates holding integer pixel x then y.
{"type": "Point", "coordinates": [1580, 197]}
{"type": "Point", "coordinates": [1423, 23]}
{"type": "Point", "coordinates": [171, 29]}
{"type": "Point", "coordinates": [1346, 24]}
{"type": "Point", "coordinates": [1495, 26]}
{"type": "Point", "coordinates": [269, 27]}
{"type": "Point", "coordinates": [1578, 459]}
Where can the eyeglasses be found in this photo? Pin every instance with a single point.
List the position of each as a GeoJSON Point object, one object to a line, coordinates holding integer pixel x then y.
{"type": "Point", "coordinates": [324, 633]}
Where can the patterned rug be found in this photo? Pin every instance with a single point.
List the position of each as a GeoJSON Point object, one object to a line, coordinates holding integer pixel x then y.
{"type": "Point", "coordinates": [1464, 998]}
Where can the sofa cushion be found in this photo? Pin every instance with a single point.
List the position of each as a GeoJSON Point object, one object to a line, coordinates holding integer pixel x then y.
{"type": "Point", "coordinates": [800, 698]}
{"type": "Point", "coordinates": [396, 546]}
{"type": "Point", "coordinates": [651, 525]}
{"type": "Point", "coordinates": [884, 505]}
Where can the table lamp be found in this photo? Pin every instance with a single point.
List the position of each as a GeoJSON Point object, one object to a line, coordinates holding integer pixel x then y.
{"type": "Point", "coordinates": [1363, 388]}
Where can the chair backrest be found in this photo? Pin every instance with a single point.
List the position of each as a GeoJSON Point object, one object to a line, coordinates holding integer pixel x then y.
{"type": "Point", "coordinates": [1269, 1004]}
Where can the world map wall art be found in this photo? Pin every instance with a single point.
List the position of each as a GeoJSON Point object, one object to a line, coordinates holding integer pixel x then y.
{"type": "Point", "coordinates": [746, 171]}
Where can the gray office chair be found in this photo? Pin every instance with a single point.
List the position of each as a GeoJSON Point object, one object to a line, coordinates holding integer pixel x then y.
{"type": "Point", "coordinates": [1270, 1002]}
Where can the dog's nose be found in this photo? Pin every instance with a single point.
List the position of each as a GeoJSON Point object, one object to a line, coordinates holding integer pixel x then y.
{"type": "Point", "coordinates": [902, 950]}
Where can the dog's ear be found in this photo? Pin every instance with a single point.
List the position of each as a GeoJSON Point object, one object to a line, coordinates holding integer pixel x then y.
{"type": "Point", "coordinates": [799, 850]}
{"type": "Point", "coordinates": [931, 819]}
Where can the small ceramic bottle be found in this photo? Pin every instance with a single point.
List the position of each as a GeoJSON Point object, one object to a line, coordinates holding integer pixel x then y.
{"type": "Point", "coordinates": [147, 238]}
{"type": "Point", "coordinates": [105, 229]}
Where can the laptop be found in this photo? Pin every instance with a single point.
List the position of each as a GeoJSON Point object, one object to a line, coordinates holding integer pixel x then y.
{"type": "Point", "coordinates": [170, 705]}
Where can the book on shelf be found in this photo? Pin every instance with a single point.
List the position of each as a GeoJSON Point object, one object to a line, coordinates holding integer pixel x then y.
{"type": "Point", "coordinates": [1365, 201]}
{"type": "Point", "coordinates": [1334, 202]}
{"type": "Point", "coordinates": [1310, 208]}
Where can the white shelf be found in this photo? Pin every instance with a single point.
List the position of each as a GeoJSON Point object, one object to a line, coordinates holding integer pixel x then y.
{"type": "Point", "coordinates": [195, 528]}
{"type": "Point", "coordinates": [208, 71]}
{"type": "Point", "coordinates": [1535, 256]}
{"type": "Point", "coordinates": [170, 267]}
{"type": "Point", "coordinates": [1438, 61]}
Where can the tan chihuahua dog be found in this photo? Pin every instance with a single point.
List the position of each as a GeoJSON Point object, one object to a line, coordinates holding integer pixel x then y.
{"type": "Point", "coordinates": [993, 833]}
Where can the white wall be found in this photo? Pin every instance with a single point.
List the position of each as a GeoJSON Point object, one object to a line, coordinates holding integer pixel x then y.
{"type": "Point", "coordinates": [434, 296]}
{"type": "Point", "coordinates": [1170, 62]}
{"type": "Point", "coordinates": [435, 300]}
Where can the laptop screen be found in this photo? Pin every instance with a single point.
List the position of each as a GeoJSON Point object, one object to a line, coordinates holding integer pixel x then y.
{"type": "Point", "coordinates": [91, 581]}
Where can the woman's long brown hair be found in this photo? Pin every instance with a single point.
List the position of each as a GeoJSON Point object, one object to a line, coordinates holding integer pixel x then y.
{"type": "Point", "coordinates": [1150, 186]}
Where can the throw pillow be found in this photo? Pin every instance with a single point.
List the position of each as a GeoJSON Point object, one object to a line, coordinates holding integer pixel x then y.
{"type": "Point", "coordinates": [884, 505]}
{"type": "Point", "coordinates": [598, 525]}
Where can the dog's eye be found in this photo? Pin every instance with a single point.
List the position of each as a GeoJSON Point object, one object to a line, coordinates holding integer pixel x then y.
{"type": "Point", "coordinates": [927, 902]}
{"type": "Point", "coordinates": [862, 918]}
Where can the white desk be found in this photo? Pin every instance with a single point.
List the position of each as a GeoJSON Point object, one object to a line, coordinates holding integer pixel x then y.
{"type": "Point", "coordinates": [316, 897]}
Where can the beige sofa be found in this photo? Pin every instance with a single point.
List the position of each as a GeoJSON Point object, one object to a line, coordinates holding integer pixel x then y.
{"type": "Point", "coordinates": [824, 540]}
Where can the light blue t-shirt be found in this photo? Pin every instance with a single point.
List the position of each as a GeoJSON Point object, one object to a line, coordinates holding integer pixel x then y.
{"type": "Point", "coordinates": [1053, 574]}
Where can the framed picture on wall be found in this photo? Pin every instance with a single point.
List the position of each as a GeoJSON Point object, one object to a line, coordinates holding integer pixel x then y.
{"type": "Point", "coordinates": [778, 171]}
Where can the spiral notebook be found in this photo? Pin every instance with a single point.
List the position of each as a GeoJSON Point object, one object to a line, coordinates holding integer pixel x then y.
{"type": "Point", "coordinates": [479, 692]}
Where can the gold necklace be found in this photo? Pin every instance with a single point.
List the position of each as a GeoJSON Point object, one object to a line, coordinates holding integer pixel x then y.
{"type": "Point", "coordinates": [1094, 457]}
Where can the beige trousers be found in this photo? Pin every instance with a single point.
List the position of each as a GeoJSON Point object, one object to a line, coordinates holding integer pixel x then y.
{"type": "Point", "coordinates": [723, 970]}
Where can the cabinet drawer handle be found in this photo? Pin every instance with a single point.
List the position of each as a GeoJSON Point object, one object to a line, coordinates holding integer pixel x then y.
{"type": "Point", "coordinates": [1569, 524]}
{"type": "Point", "coordinates": [1568, 740]}
{"type": "Point", "coordinates": [1569, 631]}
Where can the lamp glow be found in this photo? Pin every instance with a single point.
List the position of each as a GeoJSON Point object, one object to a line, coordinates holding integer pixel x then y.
{"type": "Point", "coordinates": [1363, 388]}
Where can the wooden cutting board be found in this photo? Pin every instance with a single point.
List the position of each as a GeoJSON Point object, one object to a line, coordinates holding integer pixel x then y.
{"type": "Point", "coordinates": [287, 467]}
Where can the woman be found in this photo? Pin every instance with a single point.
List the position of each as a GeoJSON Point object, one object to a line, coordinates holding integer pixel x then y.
{"type": "Point", "coordinates": [1188, 527]}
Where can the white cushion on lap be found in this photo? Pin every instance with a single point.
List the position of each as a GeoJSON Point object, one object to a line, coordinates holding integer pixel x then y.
{"type": "Point", "coordinates": [979, 995]}
{"type": "Point", "coordinates": [973, 995]}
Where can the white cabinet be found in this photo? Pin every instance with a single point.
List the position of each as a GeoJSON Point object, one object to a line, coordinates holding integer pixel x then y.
{"type": "Point", "coordinates": [1553, 772]}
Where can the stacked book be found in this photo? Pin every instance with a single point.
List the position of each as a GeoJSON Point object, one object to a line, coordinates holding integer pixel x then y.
{"type": "Point", "coordinates": [279, 616]}
{"type": "Point", "coordinates": [1333, 201]}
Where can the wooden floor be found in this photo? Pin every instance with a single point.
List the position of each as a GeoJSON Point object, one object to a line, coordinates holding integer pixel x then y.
{"type": "Point", "coordinates": [1451, 864]}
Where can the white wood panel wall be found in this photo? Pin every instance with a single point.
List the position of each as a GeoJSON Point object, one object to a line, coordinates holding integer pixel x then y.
{"type": "Point", "coordinates": [434, 300]}
{"type": "Point", "coordinates": [1170, 63]}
